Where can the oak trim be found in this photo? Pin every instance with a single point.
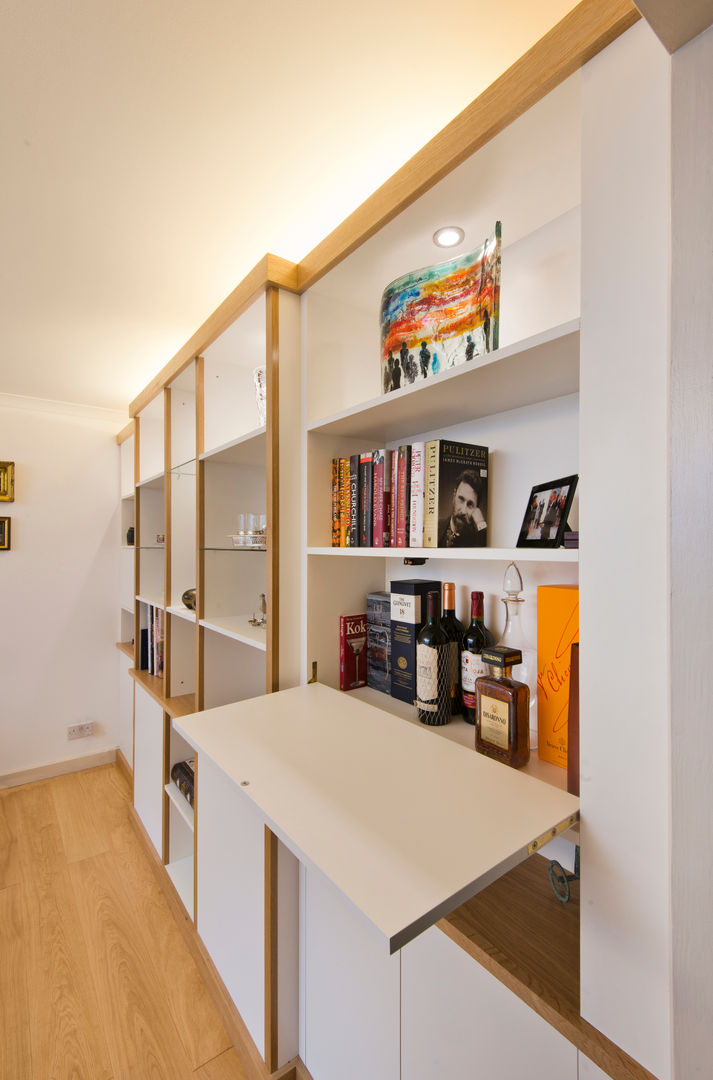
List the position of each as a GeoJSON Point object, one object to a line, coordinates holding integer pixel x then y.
{"type": "Point", "coordinates": [271, 270]}
{"type": "Point", "coordinates": [126, 647]}
{"type": "Point", "coordinates": [579, 36]}
{"type": "Point", "coordinates": [125, 433]}
{"type": "Point", "coordinates": [168, 529]}
{"type": "Point", "coordinates": [271, 946]}
{"type": "Point", "coordinates": [124, 767]}
{"type": "Point", "coordinates": [272, 490]}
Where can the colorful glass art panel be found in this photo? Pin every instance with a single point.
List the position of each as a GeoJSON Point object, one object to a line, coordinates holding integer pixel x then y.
{"type": "Point", "coordinates": [441, 316]}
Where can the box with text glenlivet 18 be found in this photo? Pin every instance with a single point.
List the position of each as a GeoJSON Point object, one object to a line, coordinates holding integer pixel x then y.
{"type": "Point", "coordinates": [378, 641]}
{"type": "Point", "coordinates": [352, 651]}
{"type": "Point", "coordinates": [456, 494]}
{"type": "Point", "coordinates": [408, 614]}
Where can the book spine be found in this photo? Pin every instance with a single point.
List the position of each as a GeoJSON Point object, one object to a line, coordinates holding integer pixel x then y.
{"type": "Point", "coordinates": [379, 509]}
{"type": "Point", "coordinates": [354, 501]}
{"type": "Point", "coordinates": [366, 499]}
{"type": "Point", "coordinates": [416, 500]}
{"type": "Point", "coordinates": [430, 494]}
{"type": "Point", "coordinates": [387, 498]}
{"type": "Point", "coordinates": [335, 502]}
{"type": "Point", "coordinates": [342, 503]}
{"type": "Point", "coordinates": [404, 497]}
{"type": "Point", "coordinates": [347, 502]}
{"type": "Point", "coordinates": [393, 495]}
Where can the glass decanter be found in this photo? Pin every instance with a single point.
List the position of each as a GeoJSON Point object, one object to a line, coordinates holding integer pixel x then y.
{"type": "Point", "coordinates": [514, 637]}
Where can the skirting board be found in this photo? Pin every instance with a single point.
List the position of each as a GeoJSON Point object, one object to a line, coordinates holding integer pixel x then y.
{"type": "Point", "coordinates": [58, 768]}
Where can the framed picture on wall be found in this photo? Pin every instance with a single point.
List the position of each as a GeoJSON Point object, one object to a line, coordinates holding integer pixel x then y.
{"type": "Point", "coordinates": [4, 533]}
{"type": "Point", "coordinates": [7, 481]}
{"type": "Point", "coordinates": [546, 513]}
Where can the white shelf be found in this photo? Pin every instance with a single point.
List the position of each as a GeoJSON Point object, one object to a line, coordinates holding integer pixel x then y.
{"type": "Point", "coordinates": [548, 555]}
{"type": "Point", "coordinates": [238, 627]}
{"type": "Point", "coordinates": [154, 601]}
{"type": "Point", "coordinates": [247, 449]}
{"type": "Point", "coordinates": [458, 731]}
{"type": "Point", "coordinates": [182, 805]}
{"type": "Point", "coordinates": [181, 874]}
{"type": "Point", "coordinates": [155, 481]}
{"type": "Point", "coordinates": [537, 369]}
{"type": "Point", "coordinates": [407, 826]}
{"type": "Point", "coordinates": [182, 612]}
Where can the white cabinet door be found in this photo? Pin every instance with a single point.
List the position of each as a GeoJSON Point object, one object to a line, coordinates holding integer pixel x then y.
{"type": "Point", "coordinates": [350, 989]}
{"type": "Point", "coordinates": [459, 1021]}
{"type": "Point", "coordinates": [148, 765]}
{"type": "Point", "coordinates": [231, 891]}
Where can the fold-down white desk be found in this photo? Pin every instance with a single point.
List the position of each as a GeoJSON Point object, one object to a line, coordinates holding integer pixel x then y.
{"type": "Point", "coordinates": [407, 826]}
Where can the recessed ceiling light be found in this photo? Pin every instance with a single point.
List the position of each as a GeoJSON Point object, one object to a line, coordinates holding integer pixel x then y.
{"type": "Point", "coordinates": [448, 236]}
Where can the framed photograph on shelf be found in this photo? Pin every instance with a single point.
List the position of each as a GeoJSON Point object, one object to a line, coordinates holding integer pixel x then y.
{"type": "Point", "coordinates": [4, 533]}
{"type": "Point", "coordinates": [7, 481]}
{"type": "Point", "coordinates": [545, 519]}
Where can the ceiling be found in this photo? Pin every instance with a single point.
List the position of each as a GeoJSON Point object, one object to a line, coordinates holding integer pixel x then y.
{"type": "Point", "coordinates": [154, 150]}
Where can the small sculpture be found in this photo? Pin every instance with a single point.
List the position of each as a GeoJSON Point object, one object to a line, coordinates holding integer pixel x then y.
{"type": "Point", "coordinates": [262, 619]}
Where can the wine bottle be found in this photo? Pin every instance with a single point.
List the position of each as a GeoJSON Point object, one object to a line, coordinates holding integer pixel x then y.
{"type": "Point", "coordinates": [476, 638]}
{"type": "Point", "coordinates": [433, 699]}
{"type": "Point", "coordinates": [453, 629]}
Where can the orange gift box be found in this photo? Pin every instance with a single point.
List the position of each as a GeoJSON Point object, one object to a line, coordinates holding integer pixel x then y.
{"type": "Point", "coordinates": [557, 630]}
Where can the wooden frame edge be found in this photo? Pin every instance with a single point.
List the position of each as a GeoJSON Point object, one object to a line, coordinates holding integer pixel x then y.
{"type": "Point", "coordinates": [125, 433]}
{"type": "Point", "coordinates": [580, 35]}
{"type": "Point", "coordinates": [124, 767]}
{"type": "Point", "coordinates": [272, 489]}
{"type": "Point", "coordinates": [272, 270]}
{"type": "Point", "coordinates": [271, 945]}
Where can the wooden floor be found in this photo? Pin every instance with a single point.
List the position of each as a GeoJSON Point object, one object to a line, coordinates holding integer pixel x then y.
{"type": "Point", "coordinates": [96, 981]}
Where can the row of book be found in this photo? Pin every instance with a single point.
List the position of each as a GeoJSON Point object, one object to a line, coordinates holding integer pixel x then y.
{"type": "Point", "coordinates": [423, 494]}
{"type": "Point", "coordinates": [153, 634]}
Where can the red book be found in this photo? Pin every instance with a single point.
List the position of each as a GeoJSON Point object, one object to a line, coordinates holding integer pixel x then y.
{"type": "Point", "coordinates": [352, 651]}
{"type": "Point", "coordinates": [382, 498]}
{"type": "Point", "coordinates": [393, 496]}
{"type": "Point", "coordinates": [403, 495]}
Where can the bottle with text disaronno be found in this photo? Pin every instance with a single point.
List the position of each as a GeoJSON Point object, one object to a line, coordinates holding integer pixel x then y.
{"type": "Point", "coordinates": [502, 709]}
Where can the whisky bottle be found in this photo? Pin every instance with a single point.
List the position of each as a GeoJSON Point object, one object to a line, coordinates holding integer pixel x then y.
{"type": "Point", "coordinates": [476, 638]}
{"type": "Point", "coordinates": [453, 630]}
{"type": "Point", "coordinates": [433, 699]}
{"type": "Point", "coordinates": [502, 709]}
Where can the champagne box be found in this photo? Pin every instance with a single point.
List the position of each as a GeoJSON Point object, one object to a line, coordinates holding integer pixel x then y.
{"type": "Point", "coordinates": [352, 651]}
{"type": "Point", "coordinates": [456, 494]}
{"type": "Point", "coordinates": [378, 641]}
{"type": "Point", "coordinates": [408, 614]}
{"type": "Point", "coordinates": [557, 631]}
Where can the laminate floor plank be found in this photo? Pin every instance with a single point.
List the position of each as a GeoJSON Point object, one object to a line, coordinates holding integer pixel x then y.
{"type": "Point", "coordinates": [84, 828]}
{"type": "Point", "coordinates": [32, 817]}
{"type": "Point", "coordinates": [191, 1006]}
{"type": "Point", "coordinates": [15, 1048]}
{"type": "Point", "coordinates": [66, 1033]}
{"type": "Point", "coordinates": [10, 873]}
{"type": "Point", "coordinates": [225, 1067]}
{"type": "Point", "coordinates": [130, 990]}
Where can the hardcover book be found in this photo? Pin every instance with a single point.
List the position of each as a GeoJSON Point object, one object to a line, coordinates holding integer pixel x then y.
{"type": "Point", "coordinates": [382, 498]}
{"type": "Point", "coordinates": [354, 500]}
{"type": "Point", "coordinates": [366, 499]}
{"type": "Point", "coordinates": [352, 651]}
{"type": "Point", "coordinates": [416, 497]}
{"type": "Point", "coordinates": [183, 776]}
{"type": "Point", "coordinates": [343, 488]}
{"type": "Point", "coordinates": [335, 502]}
{"type": "Point", "coordinates": [394, 494]}
{"type": "Point", "coordinates": [403, 496]}
{"type": "Point", "coordinates": [456, 494]}
{"type": "Point", "coordinates": [408, 614]}
{"type": "Point", "coordinates": [378, 641]}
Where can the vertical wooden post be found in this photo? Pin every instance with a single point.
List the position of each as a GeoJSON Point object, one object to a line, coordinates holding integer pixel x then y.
{"type": "Point", "coordinates": [272, 484]}
{"type": "Point", "coordinates": [270, 950]}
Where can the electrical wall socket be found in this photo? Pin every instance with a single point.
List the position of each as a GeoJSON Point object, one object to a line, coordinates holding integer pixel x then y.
{"type": "Point", "coordinates": [78, 731]}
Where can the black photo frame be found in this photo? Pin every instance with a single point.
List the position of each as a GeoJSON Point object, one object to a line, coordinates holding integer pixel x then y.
{"type": "Point", "coordinates": [545, 519]}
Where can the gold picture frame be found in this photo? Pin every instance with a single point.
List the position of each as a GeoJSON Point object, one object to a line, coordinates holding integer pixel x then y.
{"type": "Point", "coordinates": [4, 533]}
{"type": "Point", "coordinates": [7, 481]}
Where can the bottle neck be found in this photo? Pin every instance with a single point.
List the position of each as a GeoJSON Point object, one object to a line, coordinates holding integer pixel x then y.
{"type": "Point", "coordinates": [449, 599]}
{"type": "Point", "coordinates": [433, 609]}
{"type": "Point", "coordinates": [476, 607]}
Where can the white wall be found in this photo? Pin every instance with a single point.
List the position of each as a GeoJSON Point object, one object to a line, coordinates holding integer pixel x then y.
{"type": "Point", "coordinates": [59, 583]}
{"type": "Point", "coordinates": [691, 419]}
